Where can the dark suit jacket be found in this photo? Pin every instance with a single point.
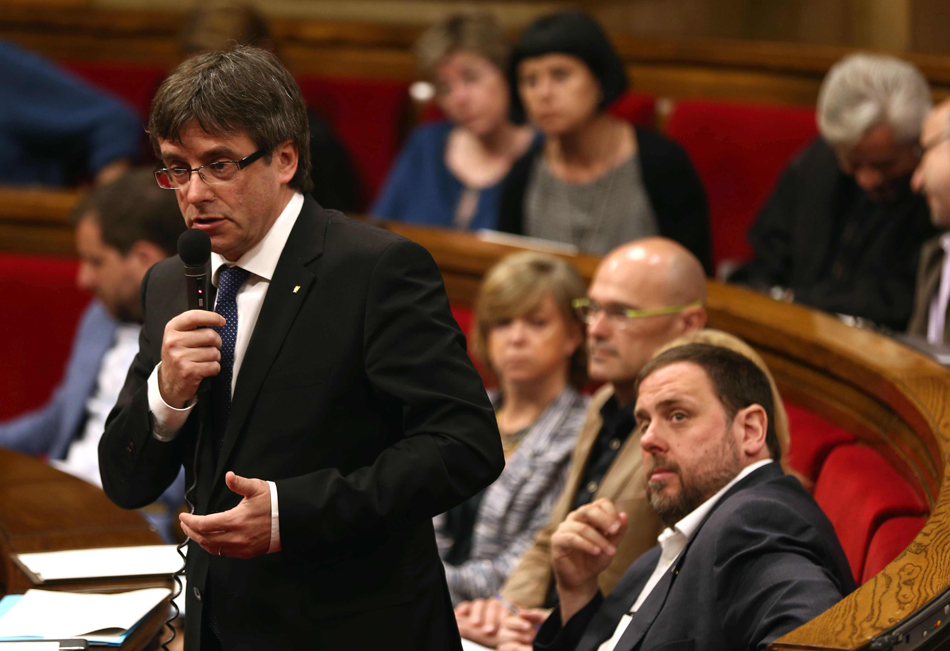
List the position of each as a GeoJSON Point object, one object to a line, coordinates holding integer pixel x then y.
{"type": "Point", "coordinates": [929, 271]}
{"type": "Point", "coordinates": [357, 398]}
{"type": "Point", "coordinates": [801, 240]}
{"type": "Point", "coordinates": [763, 562]}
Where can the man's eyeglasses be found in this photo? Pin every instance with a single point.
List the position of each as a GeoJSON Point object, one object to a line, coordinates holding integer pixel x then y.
{"type": "Point", "coordinates": [588, 310]}
{"type": "Point", "coordinates": [216, 173]}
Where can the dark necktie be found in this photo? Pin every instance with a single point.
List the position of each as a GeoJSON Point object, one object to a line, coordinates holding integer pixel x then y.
{"type": "Point", "coordinates": [229, 282]}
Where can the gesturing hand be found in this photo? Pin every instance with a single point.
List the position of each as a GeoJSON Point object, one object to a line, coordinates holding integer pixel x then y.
{"type": "Point", "coordinates": [581, 548]}
{"type": "Point", "coordinates": [242, 532]}
{"type": "Point", "coordinates": [191, 351]}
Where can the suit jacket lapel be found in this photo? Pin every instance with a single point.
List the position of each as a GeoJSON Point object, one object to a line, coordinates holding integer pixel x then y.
{"type": "Point", "coordinates": [281, 304]}
{"type": "Point", "coordinates": [929, 270]}
{"type": "Point", "coordinates": [650, 608]}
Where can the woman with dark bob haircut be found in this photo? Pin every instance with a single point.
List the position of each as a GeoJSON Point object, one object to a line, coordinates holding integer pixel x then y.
{"type": "Point", "coordinates": [594, 181]}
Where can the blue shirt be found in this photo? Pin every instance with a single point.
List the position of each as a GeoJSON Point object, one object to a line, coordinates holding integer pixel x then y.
{"type": "Point", "coordinates": [421, 189]}
{"type": "Point", "coordinates": [54, 128]}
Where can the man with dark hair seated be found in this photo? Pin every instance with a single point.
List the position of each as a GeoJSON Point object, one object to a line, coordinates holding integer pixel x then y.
{"type": "Point", "coordinates": [747, 555]}
{"type": "Point", "coordinates": [122, 229]}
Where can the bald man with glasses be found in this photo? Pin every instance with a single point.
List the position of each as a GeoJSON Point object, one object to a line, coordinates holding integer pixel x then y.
{"type": "Point", "coordinates": [644, 294]}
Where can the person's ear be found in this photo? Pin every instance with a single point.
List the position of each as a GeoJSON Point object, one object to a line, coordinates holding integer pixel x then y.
{"type": "Point", "coordinates": [286, 158]}
{"type": "Point", "coordinates": [751, 426]}
{"type": "Point", "coordinates": [693, 319]}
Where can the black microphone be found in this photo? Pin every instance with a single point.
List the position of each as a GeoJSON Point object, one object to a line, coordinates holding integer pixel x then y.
{"type": "Point", "coordinates": [194, 249]}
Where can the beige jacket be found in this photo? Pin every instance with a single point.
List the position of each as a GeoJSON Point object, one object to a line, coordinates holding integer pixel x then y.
{"type": "Point", "coordinates": [528, 585]}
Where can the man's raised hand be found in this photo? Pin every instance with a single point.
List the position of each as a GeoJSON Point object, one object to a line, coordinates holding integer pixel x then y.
{"type": "Point", "coordinates": [582, 547]}
{"type": "Point", "coordinates": [191, 351]}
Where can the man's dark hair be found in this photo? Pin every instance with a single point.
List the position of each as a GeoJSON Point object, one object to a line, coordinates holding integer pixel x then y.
{"type": "Point", "coordinates": [737, 381]}
{"type": "Point", "coordinates": [245, 89]}
{"type": "Point", "coordinates": [133, 208]}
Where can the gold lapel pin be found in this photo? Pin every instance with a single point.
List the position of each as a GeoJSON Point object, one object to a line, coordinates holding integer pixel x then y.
{"type": "Point", "coordinates": [296, 288]}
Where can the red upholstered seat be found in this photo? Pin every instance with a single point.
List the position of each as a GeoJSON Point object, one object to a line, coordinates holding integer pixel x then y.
{"type": "Point", "coordinates": [813, 438]}
{"type": "Point", "coordinates": [136, 84]}
{"type": "Point", "coordinates": [41, 308]}
{"type": "Point", "coordinates": [739, 151]}
{"type": "Point", "coordinates": [890, 539]}
{"type": "Point", "coordinates": [637, 108]}
{"type": "Point", "coordinates": [368, 115]}
{"type": "Point", "coordinates": [858, 491]}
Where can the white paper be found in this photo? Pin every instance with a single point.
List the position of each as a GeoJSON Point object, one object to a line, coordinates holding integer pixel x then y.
{"type": "Point", "coordinates": [468, 645]}
{"type": "Point", "coordinates": [29, 646]}
{"type": "Point", "coordinates": [43, 613]}
{"type": "Point", "coordinates": [145, 560]}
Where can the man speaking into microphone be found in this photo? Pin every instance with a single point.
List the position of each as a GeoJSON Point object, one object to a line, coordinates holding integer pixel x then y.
{"type": "Point", "coordinates": [342, 412]}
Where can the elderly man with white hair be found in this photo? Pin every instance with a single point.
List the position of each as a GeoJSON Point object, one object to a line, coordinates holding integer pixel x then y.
{"type": "Point", "coordinates": [842, 230]}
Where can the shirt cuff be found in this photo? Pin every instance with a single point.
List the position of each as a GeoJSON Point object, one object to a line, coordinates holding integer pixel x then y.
{"type": "Point", "coordinates": [274, 520]}
{"type": "Point", "coordinates": [166, 420]}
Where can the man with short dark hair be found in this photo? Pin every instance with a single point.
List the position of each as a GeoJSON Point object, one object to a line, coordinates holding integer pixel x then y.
{"type": "Point", "coordinates": [122, 229]}
{"type": "Point", "coordinates": [747, 554]}
{"type": "Point", "coordinates": [342, 411]}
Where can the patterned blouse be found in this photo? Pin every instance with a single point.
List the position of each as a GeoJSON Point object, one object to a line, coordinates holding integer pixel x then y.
{"type": "Point", "coordinates": [519, 503]}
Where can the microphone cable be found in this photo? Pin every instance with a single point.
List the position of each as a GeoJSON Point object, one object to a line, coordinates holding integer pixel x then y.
{"type": "Point", "coordinates": [179, 586]}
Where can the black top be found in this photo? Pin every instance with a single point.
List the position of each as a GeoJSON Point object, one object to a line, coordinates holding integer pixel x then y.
{"type": "Point", "coordinates": [676, 194]}
{"type": "Point", "coordinates": [618, 424]}
{"type": "Point", "coordinates": [820, 235]}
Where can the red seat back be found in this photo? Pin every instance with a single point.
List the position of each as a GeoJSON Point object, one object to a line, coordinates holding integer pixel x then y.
{"type": "Point", "coordinates": [812, 438]}
{"type": "Point", "coordinates": [890, 539]}
{"type": "Point", "coordinates": [368, 115]}
{"type": "Point", "coordinates": [739, 151]}
{"type": "Point", "coordinates": [41, 307]}
{"type": "Point", "coordinates": [858, 490]}
{"type": "Point", "coordinates": [136, 84]}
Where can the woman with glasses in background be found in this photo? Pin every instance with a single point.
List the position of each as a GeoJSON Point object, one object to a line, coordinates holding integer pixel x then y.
{"type": "Point", "coordinates": [450, 173]}
{"type": "Point", "coordinates": [527, 334]}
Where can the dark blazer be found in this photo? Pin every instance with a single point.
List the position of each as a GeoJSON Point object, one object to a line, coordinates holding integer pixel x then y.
{"type": "Point", "coordinates": [357, 398]}
{"type": "Point", "coordinates": [763, 562]}
{"type": "Point", "coordinates": [675, 191]}
{"type": "Point", "coordinates": [799, 239]}
{"type": "Point", "coordinates": [929, 271]}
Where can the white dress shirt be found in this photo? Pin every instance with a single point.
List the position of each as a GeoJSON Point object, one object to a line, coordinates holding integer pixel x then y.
{"type": "Point", "coordinates": [82, 459]}
{"type": "Point", "coordinates": [261, 261]}
{"type": "Point", "coordinates": [672, 542]}
{"type": "Point", "coordinates": [940, 300]}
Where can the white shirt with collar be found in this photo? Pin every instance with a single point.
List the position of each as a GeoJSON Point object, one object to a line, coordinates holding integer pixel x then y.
{"type": "Point", "coordinates": [261, 261]}
{"type": "Point", "coordinates": [672, 542]}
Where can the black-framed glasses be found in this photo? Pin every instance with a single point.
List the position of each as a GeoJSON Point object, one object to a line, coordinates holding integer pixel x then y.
{"type": "Point", "coordinates": [216, 173]}
{"type": "Point", "coordinates": [587, 310]}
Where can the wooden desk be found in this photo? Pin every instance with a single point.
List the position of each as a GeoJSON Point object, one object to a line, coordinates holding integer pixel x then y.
{"type": "Point", "coordinates": [43, 509]}
{"type": "Point", "coordinates": [887, 395]}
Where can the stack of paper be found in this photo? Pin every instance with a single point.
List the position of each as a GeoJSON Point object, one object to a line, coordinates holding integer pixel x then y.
{"type": "Point", "coordinates": [104, 619]}
{"type": "Point", "coordinates": [111, 562]}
